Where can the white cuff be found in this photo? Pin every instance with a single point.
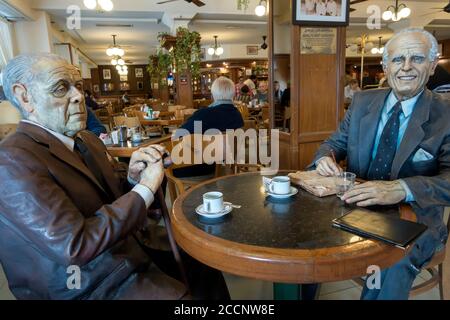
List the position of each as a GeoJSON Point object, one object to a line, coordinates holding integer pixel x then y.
{"type": "Point", "coordinates": [145, 194]}
{"type": "Point", "coordinates": [131, 181]}
{"type": "Point", "coordinates": [409, 196]}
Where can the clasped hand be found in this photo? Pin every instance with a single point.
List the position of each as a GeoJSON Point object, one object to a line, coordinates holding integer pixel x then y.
{"type": "Point", "coordinates": [146, 166]}
{"type": "Point", "coordinates": [368, 193]}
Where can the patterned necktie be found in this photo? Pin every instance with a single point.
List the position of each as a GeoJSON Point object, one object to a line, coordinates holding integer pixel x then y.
{"type": "Point", "coordinates": [381, 166]}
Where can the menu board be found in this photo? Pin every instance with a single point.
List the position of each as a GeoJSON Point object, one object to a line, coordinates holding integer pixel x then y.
{"type": "Point", "coordinates": [318, 40]}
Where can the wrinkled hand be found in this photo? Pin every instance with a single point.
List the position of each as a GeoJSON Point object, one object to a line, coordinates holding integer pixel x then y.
{"type": "Point", "coordinates": [376, 193]}
{"type": "Point", "coordinates": [327, 167]}
{"type": "Point", "coordinates": [146, 166]}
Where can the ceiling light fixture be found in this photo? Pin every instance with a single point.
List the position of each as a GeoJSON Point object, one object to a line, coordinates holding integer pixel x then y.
{"type": "Point", "coordinates": [105, 5]}
{"type": "Point", "coordinates": [215, 50]}
{"type": "Point", "coordinates": [380, 49]}
{"type": "Point", "coordinates": [122, 70]}
{"type": "Point", "coordinates": [260, 9]}
{"type": "Point", "coordinates": [115, 50]}
{"type": "Point", "coordinates": [397, 12]}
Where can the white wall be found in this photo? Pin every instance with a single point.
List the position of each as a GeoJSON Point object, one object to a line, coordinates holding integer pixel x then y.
{"type": "Point", "coordinates": [282, 39]}
{"type": "Point", "coordinates": [34, 36]}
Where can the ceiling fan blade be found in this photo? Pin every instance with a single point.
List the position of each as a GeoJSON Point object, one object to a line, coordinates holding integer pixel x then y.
{"type": "Point", "coordinates": [357, 1]}
{"type": "Point", "coordinates": [427, 14]}
{"type": "Point", "coordinates": [162, 2]}
{"type": "Point", "coordinates": [198, 3]}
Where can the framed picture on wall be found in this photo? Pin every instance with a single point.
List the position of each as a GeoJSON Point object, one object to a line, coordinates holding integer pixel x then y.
{"type": "Point", "coordinates": [252, 50]}
{"type": "Point", "coordinates": [96, 88]}
{"type": "Point", "coordinates": [106, 74]}
{"type": "Point", "coordinates": [124, 86]}
{"type": "Point", "coordinates": [139, 72]}
{"type": "Point", "coordinates": [320, 12]}
{"type": "Point", "coordinates": [124, 78]}
{"type": "Point", "coordinates": [140, 85]}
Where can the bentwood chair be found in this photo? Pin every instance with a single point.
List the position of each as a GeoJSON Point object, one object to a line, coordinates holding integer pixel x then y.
{"type": "Point", "coordinates": [438, 268]}
{"type": "Point", "coordinates": [177, 185]}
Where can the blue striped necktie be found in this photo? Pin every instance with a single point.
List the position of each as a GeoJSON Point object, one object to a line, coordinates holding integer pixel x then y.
{"type": "Point", "coordinates": [380, 168]}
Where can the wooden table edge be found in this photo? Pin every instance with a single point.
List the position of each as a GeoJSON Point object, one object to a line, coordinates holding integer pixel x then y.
{"type": "Point", "coordinates": [281, 265]}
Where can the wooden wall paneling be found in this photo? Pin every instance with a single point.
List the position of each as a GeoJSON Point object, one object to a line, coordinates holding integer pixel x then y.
{"type": "Point", "coordinates": [132, 80]}
{"type": "Point", "coordinates": [284, 151]}
{"type": "Point", "coordinates": [295, 96]}
{"type": "Point", "coordinates": [318, 95]}
{"type": "Point", "coordinates": [184, 89]}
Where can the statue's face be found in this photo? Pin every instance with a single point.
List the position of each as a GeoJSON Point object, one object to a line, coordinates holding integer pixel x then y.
{"type": "Point", "coordinates": [57, 102]}
{"type": "Point", "coordinates": [409, 68]}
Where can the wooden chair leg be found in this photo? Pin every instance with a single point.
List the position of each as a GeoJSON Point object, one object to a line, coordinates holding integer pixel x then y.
{"type": "Point", "coordinates": [444, 270]}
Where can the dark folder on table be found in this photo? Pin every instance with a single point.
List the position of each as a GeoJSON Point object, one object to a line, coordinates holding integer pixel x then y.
{"type": "Point", "coordinates": [369, 224]}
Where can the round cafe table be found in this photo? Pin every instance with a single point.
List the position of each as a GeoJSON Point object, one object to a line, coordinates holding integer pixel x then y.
{"type": "Point", "coordinates": [283, 241]}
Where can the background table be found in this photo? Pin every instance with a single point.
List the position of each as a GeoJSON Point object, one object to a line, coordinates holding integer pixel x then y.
{"type": "Point", "coordinates": [290, 241]}
{"type": "Point", "coordinates": [126, 149]}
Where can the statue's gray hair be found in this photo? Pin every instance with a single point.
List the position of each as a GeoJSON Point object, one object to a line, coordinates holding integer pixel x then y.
{"type": "Point", "coordinates": [432, 54]}
{"type": "Point", "coordinates": [21, 70]}
{"type": "Point", "coordinates": [223, 89]}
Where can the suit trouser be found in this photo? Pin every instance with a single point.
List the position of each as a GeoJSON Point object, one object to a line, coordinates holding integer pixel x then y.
{"type": "Point", "coordinates": [396, 281]}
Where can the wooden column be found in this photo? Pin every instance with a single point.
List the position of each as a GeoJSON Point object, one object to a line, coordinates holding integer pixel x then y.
{"type": "Point", "coordinates": [184, 89]}
{"type": "Point", "coordinates": [317, 89]}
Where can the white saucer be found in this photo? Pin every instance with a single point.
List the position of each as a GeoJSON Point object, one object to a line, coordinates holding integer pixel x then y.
{"type": "Point", "coordinates": [226, 210]}
{"type": "Point", "coordinates": [293, 192]}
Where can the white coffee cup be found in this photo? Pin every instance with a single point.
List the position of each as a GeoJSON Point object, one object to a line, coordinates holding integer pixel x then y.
{"type": "Point", "coordinates": [213, 202]}
{"type": "Point", "coordinates": [280, 185]}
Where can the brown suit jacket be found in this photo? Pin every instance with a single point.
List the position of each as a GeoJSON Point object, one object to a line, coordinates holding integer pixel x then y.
{"type": "Point", "coordinates": [55, 214]}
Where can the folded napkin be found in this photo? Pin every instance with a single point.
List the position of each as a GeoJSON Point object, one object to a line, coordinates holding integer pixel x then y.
{"type": "Point", "coordinates": [314, 183]}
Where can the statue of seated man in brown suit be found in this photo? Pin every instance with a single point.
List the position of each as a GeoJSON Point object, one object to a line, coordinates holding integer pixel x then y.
{"type": "Point", "coordinates": [69, 213]}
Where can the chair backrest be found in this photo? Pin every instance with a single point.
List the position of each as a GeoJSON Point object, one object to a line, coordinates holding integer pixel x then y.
{"type": "Point", "coordinates": [7, 129]}
{"type": "Point", "coordinates": [265, 113]}
{"type": "Point", "coordinates": [243, 109]}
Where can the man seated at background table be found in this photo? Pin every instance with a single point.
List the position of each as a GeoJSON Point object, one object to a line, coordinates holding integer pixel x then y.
{"type": "Point", "coordinates": [66, 208]}
{"type": "Point", "coordinates": [400, 140]}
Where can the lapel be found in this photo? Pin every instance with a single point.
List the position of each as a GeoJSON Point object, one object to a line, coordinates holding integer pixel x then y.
{"type": "Point", "coordinates": [103, 163]}
{"type": "Point", "coordinates": [368, 128]}
{"type": "Point", "coordinates": [414, 132]}
{"type": "Point", "coordinates": [58, 149]}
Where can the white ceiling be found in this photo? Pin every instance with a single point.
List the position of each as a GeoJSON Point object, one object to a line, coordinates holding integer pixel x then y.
{"type": "Point", "coordinates": [145, 19]}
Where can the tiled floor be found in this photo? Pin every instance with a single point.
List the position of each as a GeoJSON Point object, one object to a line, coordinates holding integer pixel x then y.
{"type": "Point", "coordinates": [243, 288]}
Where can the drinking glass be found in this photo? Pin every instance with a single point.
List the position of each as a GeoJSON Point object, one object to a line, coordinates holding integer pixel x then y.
{"type": "Point", "coordinates": [344, 182]}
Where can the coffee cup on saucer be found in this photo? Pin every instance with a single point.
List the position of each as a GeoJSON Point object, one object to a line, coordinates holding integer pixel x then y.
{"type": "Point", "coordinates": [280, 185]}
{"type": "Point", "coordinates": [213, 202]}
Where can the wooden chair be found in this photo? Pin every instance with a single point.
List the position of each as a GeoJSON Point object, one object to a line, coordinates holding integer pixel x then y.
{"type": "Point", "coordinates": [7, 129]}
{"type": "Point", "coordinates": [130, 122]}
{"type": "Point", "coordinates": [438, 268]}
{"type": "Point", "coordinates": [176, 185]}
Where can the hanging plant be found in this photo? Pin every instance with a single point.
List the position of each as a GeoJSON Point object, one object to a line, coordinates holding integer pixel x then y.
{"type": "Point", "coordinates": [159, 67]}
{"type": "Point", "coordinates": [243, 4]}
{"type": "Point", "coordinates": [186, 54]}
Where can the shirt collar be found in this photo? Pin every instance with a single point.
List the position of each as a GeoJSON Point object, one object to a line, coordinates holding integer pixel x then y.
{"type": "Point", "coordinates": [219, 102]}
{"type": "Point", "coordinates": [407, 105]}
{"type": "Point", "coordinates": [67, 141]}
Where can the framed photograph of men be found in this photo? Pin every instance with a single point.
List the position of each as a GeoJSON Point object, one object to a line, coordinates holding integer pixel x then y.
{"type": "Point", "coordinates": [106, 74]}
{"type": "Point", "coordinates": [320, 12]}
{"type": "Point", "coordinates": [139, 72]}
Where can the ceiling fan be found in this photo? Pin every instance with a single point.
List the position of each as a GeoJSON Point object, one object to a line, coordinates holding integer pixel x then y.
{"type": "Point", "coordinates": [355, 2]}
{"type": "Point", "coordinates": [198, 3]}
{"type": "Point", "coordinates": [444, 9]}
